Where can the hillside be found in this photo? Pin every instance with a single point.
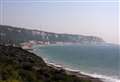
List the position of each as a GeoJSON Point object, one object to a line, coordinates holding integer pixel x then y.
{"type": "Point", "coordinates": [9, 34]}
{"type": "Point", "coordinates": [18, 65]}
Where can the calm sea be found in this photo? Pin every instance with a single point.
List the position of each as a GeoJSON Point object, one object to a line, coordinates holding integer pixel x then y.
{"type": "Point", "coordinates": [102, 61]}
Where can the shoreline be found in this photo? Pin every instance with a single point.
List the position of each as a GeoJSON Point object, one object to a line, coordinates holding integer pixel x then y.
{"type": "Point", "coordinates": [95, 77]}
{"type": "Point", "coordinates": [69, 71]}
{"type": "Point", "coordinates": [80, 74]}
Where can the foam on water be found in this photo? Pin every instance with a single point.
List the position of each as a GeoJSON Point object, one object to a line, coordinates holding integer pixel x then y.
{"type": "Point", "coordinates": [95, 75]}
{"type": "Point", "coordinates": [103, 77]}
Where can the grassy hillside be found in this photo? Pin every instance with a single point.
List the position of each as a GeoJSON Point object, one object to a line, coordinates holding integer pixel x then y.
{"type": "Point", "coordinates": [18, 65]}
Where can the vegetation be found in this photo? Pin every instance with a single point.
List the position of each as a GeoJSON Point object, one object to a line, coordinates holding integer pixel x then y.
{"type": "Point", "coordinates": [18, 65]}
{"type": "Point", "coordinates": [13, 35]}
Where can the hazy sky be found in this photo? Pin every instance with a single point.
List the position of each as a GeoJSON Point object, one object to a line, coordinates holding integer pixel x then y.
{"type": "Point", "coordinates": [86, 17]}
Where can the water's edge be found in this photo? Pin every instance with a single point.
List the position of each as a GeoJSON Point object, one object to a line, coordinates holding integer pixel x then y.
{"type": "Point", "coordinates": [103, 78]}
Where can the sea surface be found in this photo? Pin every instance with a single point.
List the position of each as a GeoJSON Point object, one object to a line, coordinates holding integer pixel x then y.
{"type": "Point", "coordinates": [101, 61]}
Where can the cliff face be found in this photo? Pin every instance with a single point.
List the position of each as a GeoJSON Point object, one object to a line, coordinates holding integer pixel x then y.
{"type": "Point", "coordinates": [18, 65]}
{"type": "Point", "coordinates": [10, 34]}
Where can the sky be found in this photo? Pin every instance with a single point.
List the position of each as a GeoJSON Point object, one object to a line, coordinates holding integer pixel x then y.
{"type": "Point", "coordinates": [86, 17]}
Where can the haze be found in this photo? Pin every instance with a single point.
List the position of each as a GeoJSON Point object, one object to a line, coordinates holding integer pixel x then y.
{"type": "Point", "coordinates": [96, 17]}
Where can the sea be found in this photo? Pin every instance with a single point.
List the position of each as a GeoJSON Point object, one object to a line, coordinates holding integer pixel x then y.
{"type": "Point", "coordinates": [99, 61]}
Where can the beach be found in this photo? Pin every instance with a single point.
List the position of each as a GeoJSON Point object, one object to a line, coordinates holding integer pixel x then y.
{"type": "Point", "coordinates": [80, 74]}
{"type": "Point", "coordinates": [53, 56]}
{"type": "Point", "coordinates": [69, 71]}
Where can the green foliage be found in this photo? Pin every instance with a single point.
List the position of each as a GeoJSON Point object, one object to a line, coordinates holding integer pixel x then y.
{"type": "Point", "coordinates": [10, 80]}
{"type": "Point", "coordinates": [13, 35]}
{"type": "Point", "coordinates": [15, 66]}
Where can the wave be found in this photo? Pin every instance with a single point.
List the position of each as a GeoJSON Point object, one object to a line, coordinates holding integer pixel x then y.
{"type": "Point", "coordinates": [103, 78]}
{"type": "Point", "coordinates": [95, 75]}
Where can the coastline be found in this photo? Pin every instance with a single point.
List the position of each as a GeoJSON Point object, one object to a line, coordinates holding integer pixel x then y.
{"type": "Point", "coordinates": [80, 74]}
{"type": "Point", "coordinates": [69, 71]}
{"type": "Point", "coordinates": [94, 77]}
